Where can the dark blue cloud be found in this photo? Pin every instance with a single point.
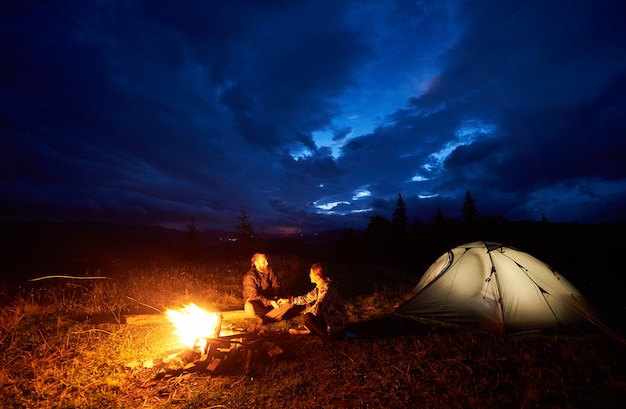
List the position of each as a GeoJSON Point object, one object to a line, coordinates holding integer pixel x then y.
{"type": "Point", "coordinates": [311, 116]}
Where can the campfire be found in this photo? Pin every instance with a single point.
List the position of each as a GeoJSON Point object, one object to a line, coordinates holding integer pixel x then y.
{"type": "Point", "coordinates": [195, 327]}
{"type": "Point", "coordinates": [204, 345]}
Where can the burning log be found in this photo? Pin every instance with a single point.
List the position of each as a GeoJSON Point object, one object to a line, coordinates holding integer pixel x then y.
{"type": "Point", "coordinates": [206, 348]}
{"type": "Point", "coordinates": [205, 345]}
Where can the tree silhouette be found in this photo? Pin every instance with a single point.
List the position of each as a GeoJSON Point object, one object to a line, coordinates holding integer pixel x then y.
{"type": "Point", "coordinates": [192, 239]}
{"type": "Point", "coordinates": [438, 220]}
{"type": "Point", "coordinates": [399, 220]}
{"type": "Point", "coordinates": [417, 229]}
{"type": "Point", "coordinates": [192, 231]}
{"type": "Point", "coordinates": [441, 232]}
{"type": "Point", "coordinates": [377, 227]}
{"type": "Point", "coordinates": [469, 213]}
{"type": "Point", "coordinates": [245, 230]}
{"type": "Point", "coordinates": [377, 237]}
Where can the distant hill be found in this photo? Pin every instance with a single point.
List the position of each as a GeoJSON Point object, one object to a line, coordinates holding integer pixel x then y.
{"type": "Point", "coordinates": [41, 247]}
{"type": "Point", "coordinates": [29, 247]}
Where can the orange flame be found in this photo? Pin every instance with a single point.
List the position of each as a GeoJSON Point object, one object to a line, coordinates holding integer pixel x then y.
{"type": "Point", "coordinates": [193, 325]}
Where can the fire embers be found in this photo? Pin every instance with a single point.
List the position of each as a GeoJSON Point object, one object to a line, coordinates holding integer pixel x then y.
{"type": "Point", "coordinates": [203, 347]}
{"type": "Point", "coordinates": [218, 356]}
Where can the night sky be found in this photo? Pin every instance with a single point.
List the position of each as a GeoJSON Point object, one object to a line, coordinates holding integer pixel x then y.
{"type": "Point", "coordinates": [311, 115]}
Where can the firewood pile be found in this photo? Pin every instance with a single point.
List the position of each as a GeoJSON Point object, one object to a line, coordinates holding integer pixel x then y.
{"type": "Point", "coordinates": [220, 354]}
{"type": "Point", "coordinates": [228, 351]}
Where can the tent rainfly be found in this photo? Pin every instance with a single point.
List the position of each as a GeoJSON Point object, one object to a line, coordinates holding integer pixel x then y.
{"type": "Point", "coordinates": [495, 288]}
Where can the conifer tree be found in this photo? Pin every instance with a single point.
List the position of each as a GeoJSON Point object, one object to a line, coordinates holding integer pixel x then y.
{"type": "Point", "coordinates": [192, 231]}
{"type": "Point", "coordinates": [439, 218]}
{"type": "Point", "coordinates": [245, 230]}
{"type": "Point", "coordinates": [399, 220]}
{"type": "Point", "coordinates": [469, 213]}
{"type": "Point", "coordinates": [192, 239]}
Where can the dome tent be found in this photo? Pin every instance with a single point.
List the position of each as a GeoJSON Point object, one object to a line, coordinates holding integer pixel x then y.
{"type": "Point", "coordinates": [496, 288]}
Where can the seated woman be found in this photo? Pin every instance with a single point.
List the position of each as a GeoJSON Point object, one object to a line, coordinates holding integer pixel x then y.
{"type": "Point", "coordinates": [325, 314]}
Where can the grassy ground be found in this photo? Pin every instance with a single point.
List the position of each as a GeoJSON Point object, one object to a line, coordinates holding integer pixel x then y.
{"type": "Point", "coordinates": [67, 343]}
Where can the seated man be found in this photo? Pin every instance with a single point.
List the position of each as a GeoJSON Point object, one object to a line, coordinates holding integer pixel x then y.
{"type": "Point", "coordinates": [261, 289]}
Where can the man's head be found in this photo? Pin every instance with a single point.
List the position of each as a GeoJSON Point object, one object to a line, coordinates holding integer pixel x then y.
{"type": "Point", "coordinates": [259, 261]}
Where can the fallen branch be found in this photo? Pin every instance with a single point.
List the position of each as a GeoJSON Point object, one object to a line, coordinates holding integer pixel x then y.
{"type": "Point", "coordinates": [92, 330]}
{"type": "Point", "coordinates": [347, 356]}
{"type": "Point", "coordinates": [69, 277]}
{"type": "Point", "coordinates": [145, 305]}
{"type": "Point", "coordinates": [402, 372]}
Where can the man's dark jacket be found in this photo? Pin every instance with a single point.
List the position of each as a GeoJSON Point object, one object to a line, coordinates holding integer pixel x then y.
{"type": "Point", "coordinates": [260, 287]}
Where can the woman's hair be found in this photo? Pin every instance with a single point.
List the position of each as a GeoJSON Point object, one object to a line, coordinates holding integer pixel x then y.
{"type": "Point", "coordinates": [320, 270]}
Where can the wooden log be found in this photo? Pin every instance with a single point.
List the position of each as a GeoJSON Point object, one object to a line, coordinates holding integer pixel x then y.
{"type": "Point", "coordinates": [161, 319]}
{"type": "Point", "coordinates": [146, 319]}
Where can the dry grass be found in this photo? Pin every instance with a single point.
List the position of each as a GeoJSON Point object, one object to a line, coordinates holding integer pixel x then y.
{"type": "Point", "coordinates": [65, 344]}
